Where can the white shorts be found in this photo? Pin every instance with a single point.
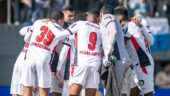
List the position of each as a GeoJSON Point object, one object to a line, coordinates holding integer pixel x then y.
{"type": "Point", "coordinates": [86, 76]}
{"type": "Point", "coordinates": [55, 83]}
{"type": "Point", "coordinates": [37, 70]}
{"type": "Point", "coordinates": [143, 77]}
{"type": "Point", "coordinates": [65, 88]}
{"type": "Point", "coordinates": [16, 87]}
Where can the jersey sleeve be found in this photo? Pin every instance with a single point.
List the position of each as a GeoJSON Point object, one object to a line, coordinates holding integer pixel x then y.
{"type": "Point", "coordinates": [147, 32]}
{"type": "Point", "coordinates": [62, 57]}
{"type": "Point", "coordinates": [107, 19]}
{"type": "Point", "coordinates": [28, 34]}
{"type": "Point", "coordinates": [23, 31]}
{"type": "Point", "coordinates": [67, 41]}
{"type": "Point", "coordinates": [60, 34]}
{"type": "Point", "coordinates": [132, 28]}
{"type": "Point", "coordinates": [75, 27]}
{"type": "Point", "coordinates": [110, 24]}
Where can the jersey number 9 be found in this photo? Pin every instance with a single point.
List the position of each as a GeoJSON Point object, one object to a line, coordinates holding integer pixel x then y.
{"type": "Point", "coordinates": [92, 39]}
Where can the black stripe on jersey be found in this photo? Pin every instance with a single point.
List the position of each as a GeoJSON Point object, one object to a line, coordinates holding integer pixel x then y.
{"type": "Point", "coordinates": [54, 61]}
{"type": "Point", "coordinates": [116, 51]}
{"type": "Point", "coordinates": [67, 67]}
{"type": "Point", "coordinates": [66, 44]}
{"type": "Point", "coordinates": [109, 22]}
{"type": "Point", "coordinates": [69, 31]}
{"type": "Point", "coordinates": [143, 58]}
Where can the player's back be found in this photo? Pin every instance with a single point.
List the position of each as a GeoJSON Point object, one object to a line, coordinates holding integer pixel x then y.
{"type": "Point", "coordinates": [136, 33]}
{"type": "Point", "coordinates": [43, 40]}
{"type": "Point", "coordinates": [88, 44]}
{"type": "Point", "coordinates": [138, 41]}
{"type": "Point", "coordinates": [128, 43]}
{"type": "Point", "coordinates": [119, 46]}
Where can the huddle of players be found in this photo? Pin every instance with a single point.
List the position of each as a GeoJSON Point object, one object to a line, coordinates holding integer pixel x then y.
{"type": "Point", "coordinates": [116, 34]}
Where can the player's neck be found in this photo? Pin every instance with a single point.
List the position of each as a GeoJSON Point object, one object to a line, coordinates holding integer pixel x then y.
{"type": "Point", "coordinates": [123, 22]}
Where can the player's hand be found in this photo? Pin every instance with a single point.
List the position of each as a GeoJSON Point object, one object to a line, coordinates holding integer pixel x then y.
{"type": "Point", "coordinates": [60, 84]}
{"type": "Point", "coordinates": [137, 20]}
{"type": "Point", "coordinates": [106, 61]}
{"type": "Point", "coordinates": [58, 74]}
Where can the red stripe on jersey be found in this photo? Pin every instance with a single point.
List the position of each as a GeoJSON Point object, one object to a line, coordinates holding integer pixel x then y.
{"type": "Point", "coordinates": [72, 69]}
{"type": "Point", "coordinates": [109, 22]}
{"type": "Point", "coordinates": [55, 49]}
{"type": "Point", "coordinates": [26, 45]}
{"type": "Point", "coordinates": [147, 45]}
{"type": "Point", "coordinates": [69, 31]}
{"type": "Point", "coordinates": [144, 70]}
{"type": "Point", "coordinates": [68, 54]}
{"type": "Point", "coordinates": [135, 43]}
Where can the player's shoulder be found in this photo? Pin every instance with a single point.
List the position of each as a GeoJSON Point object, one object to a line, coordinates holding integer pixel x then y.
{"type": "Point", "coordinates": [131, 24]}
{"type": "Point", "coordinates": [37, 23]}
{"type": "Point", "coordinates": [107, 17]}
{"type": "Point", "coordinates": [90, 24]}
{"type": "Point", "coordinates": [58, 27]}
{"type": "Point", "coordinates": [144, 22]}
{"type": "Point", "coordinates": [25, 30]}
{"type": "Point", "coordinates": [77, 23]}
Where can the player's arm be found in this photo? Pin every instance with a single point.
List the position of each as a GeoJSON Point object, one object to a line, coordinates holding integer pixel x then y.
{"type": "Point", "coordinates": [60, 35]}
{"type": "Point", "coordinates": [147, 33]}
{"type": "Point", "coordinates": [142, 23]}
{"type": "Point", "coordinates": [62, 59]}
{"type": "Point", "coordinates": [148, 36]}
{"type": "Point", "coordinates": [23, 31]}
{"type": "Point", "coordinates": [63, 56]}
{"type": "Point", "coordinates": [111, 37]}
{"type": "Point", "coordinates": [28, 34]}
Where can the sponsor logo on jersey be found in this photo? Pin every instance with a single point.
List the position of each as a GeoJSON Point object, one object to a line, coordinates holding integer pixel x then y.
{"type": "Point", "coordinates": [141, 82]}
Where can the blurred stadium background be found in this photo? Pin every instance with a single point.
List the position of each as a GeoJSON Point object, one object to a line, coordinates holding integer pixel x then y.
{"type": "Point", "coordinates": [17, 13]}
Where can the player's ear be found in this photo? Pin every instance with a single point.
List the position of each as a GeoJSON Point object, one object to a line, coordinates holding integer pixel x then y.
{"type": "Point", "coordinates": [87, 17]}
{"type": "Point", "coordinates": [100, 16]}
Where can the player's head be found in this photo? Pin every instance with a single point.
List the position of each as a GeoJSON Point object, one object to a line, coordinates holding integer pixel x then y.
{"type": "Point", "coordinates": [121, 13]}
{"type": "Point", "coordinates": [58, 16]}
{"type": "Point", "coordinates": [107, 9]}
{"type": "Point", "coordinates": [92, 16]}
{"type": "Point", "coordinates": [80, 16]}
{"type": "Point", "coordinates": [68, 14]}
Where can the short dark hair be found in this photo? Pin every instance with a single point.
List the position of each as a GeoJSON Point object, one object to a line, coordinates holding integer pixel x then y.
{"type": "Point", "coordinates": [80, 16]}
{"type": "Point", "coordinates": [57, 14]}
{"type": "Point", "coordinates": [121, 10]}
{"type": "Point", "coordinates": [93, 12]}
{"type": "Point", "coordinates": [67, 8]}
{"type": "Point", "coordinates": [107, 9]}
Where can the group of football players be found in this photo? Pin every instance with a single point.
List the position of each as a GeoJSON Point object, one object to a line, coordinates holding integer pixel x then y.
{"type": "Point", "coordinates": [87, 41]}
